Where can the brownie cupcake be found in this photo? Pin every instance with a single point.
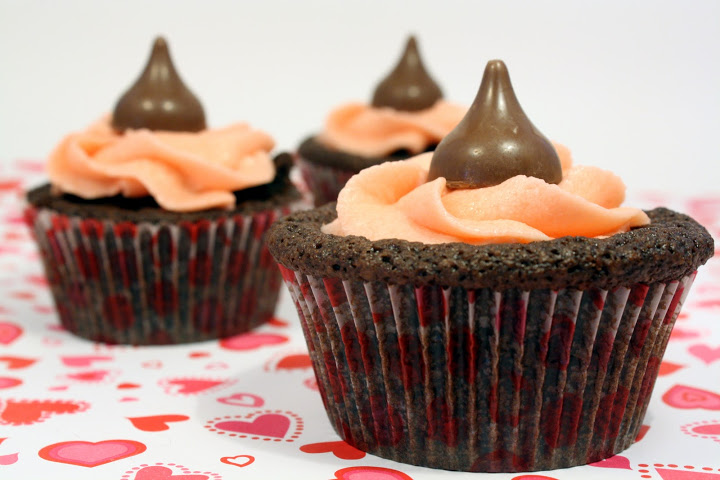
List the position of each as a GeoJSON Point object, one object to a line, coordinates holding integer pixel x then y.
{"type": "Point", "coordinates": [407, 116]}
{"type": "Point", "coordinates": [152, 227]}
{"type": "Point", "coordinates": [489, 306]}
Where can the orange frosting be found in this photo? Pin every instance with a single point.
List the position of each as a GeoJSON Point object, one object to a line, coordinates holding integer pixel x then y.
{"type": "Point", "coordinates": [394, 200]}
{"type": "Point", "coordinates": [377, 132]}
{"type": "Point", "coordinates": [182, 171]}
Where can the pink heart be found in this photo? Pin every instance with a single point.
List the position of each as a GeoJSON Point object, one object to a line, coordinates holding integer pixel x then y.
{"type": "Point", "coordinates": [616, 461]}
{"type": "Point", "coordinates": [705, 353]}
{"type": "Point", "coordinates": [711, 429]}
{"type": "Point", "coordinates": [682, 396]}
{"type": "Point", "coordinates": [9, 332]}
{"type": "Point", "coordinates": [83, 360]}
{"type": "Point", "coordinates": [8, 459]}
{"type": "Point", "coordinates": [251, 341]}
{"type": "Point", "coordinates": [89, 454]}
{"type": "Point", "coordinates": [242, 400]}
{"type": "Point", "coordinates": [370, 473]}
{"type": "Point", "coordinates": [157, 472]}
{"type": "Point", "coordinates": [268, 425]}
{"type": "Point", "coordinates": [90, 376]}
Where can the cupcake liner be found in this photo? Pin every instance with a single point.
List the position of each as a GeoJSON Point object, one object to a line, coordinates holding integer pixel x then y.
{"type": "Point", "coordinates": [325, 182]}
{"type": "Point", "coordinates": [158, 283]}
{"type": "Point", "coordinates": [484, 380]}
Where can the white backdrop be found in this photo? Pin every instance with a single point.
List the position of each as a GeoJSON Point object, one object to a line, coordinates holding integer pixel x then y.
{"type": "Point", "coordinates": [630, 86]}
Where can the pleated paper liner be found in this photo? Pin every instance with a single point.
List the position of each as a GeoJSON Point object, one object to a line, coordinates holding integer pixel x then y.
{"type": "Point", "coordinates": [158, 283]}
{"type": "Point", "coordinates": [325, 182]}
{"type": "Point", "coordinates": [483, 380]}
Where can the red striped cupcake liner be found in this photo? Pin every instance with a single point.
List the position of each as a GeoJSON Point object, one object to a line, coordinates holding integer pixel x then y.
{"type": "Point", "coordinates": [324, 182]}
{"type": "Point", "coordinates": [483, 380]}
{"type": "Point", "coordinates": [158, 283]}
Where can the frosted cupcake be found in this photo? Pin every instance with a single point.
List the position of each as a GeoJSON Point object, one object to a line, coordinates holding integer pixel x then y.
{"type": "Point", "coordinates": [152, 227]}
{"type": "Point", "coordinates": [407, 116]}
{"type": "Point", "coordinates": [489, 306]}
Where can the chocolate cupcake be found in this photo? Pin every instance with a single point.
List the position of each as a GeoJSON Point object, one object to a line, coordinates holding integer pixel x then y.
{"type": "Point", "coordinates": [152, 227]}
{"type": "Point", "coordinates": [407, 116]}
{"type": "Point", "coordinates": [489, 307]}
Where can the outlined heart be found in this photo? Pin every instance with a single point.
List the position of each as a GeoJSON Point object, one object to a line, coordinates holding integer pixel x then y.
{"type": "Point", "coordinates": [259, 425]}
{"type": "Point", "coordinates": [91, 454]}
{"type": "Point", "coordinates": [238, 460]}
{"type": "Point", "coordinates": [15, 363]}
{"type": "Point", "coordinates": [91, 376]}
{"type": "Point", "coordinates": [705, 353]}
{"type": "Point", "coordinates": [709, 429]}
{"type": "Point", "coordinates": [156, 423]}
{"type": "Point", "coordinates": [192, 386]}
{"type": "Point", "coordinates": [26, 412]}
{"type": "Point", "coordinates": [9, 332]}
{"type": "Point", "coordinates": [340, 449]}
{"type": "Point", "coordinates": [242, 400]}
{"type": "Point", "coordinates": [370, 473]}
{"type": "Point", "coordinates": [84, 360]}
{"type": "Point", "coordinates": [170, 471]}
{"type": "Point", "coordinates": [682, 396]}
{"type": "Point", "coordinates": [616, 461]}
{"type": "Point", "coordinates": [252, 341]}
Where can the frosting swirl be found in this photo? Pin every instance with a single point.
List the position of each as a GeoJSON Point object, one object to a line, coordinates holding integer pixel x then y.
{"type": "Point", "coordinates": [182, 171]}
{"type": "Point", "coordinates": [378, 131]}
{"type": "Point", "coordinates": [394, 200]}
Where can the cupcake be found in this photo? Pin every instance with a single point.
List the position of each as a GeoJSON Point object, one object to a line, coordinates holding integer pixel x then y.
{"type": "Point", "coordinates": [151, 229]}
{"type": "Point", "coordinates": [407, 116]}
{"type": "Point", "coordinates": [489, 306]}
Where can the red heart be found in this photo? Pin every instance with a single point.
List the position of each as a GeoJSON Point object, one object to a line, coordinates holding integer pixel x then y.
{"type": "Point", "coordinates": [682, 396]}
{"type": "Point", "coordinates": [123, 386]}
{"type": "Point", "coordinates": [666, 368]}
{"type": "Point", "coordinates": [156, 423]}
{"type": "Point", "coordinates": [25, 412]}
{"type": "Point", "coordinates": [9, 332]}
{"type": "Point", "coordinates": [89, 454]}
{"type": "Point", "coordinates": [295, 361]}
{"type": "Point", "coordinates": [157, 472]}
{"type": "Point", "coordinates": [339, 449]}
{"type": "Point", "coordinates": [705, 353]}
{"type": "Point", "coordinates": [189, 386]}
{"type": "Point", "coordinates": [14, 363]}
{"type": "Point", "coordinates": [268, 425]}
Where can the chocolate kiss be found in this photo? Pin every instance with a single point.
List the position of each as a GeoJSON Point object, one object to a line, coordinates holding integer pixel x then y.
{"type": "Point", "coordinates": [408, 87]}
{"type": "Point", "coordinates": [494, 141]}
{"type": "Point", "coordinates": [159, 100]}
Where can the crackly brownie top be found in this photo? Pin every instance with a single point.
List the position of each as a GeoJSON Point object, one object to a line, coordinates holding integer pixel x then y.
{"type": "Point", "coordinates": [277, 193]}
{"type": "Point", "coordinates": [671, 246]}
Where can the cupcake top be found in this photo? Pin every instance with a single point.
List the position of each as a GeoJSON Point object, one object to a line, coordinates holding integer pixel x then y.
{"type": "Point", "coordinates": [407, 113]}
{"type": "Point", "coordinates": [156, 144]}
{"type": "Point", "coordinates": [494, 179]}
